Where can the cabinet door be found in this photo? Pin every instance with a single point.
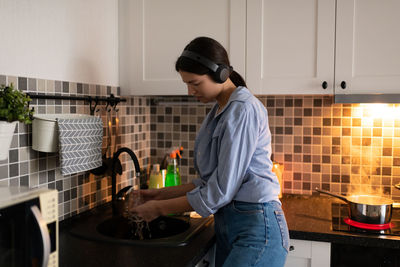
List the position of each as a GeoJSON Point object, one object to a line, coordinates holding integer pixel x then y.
{"type": "Point", "coordinates": [290, 46]}
{"type": "Point", "coordinates": [153, 33]}
{"type": "Point", "coordinates": [367, 46]}
{"type": "Point", "coordinates": [304, 253]}
{"type": "Point", "coordinates": [209, 259]}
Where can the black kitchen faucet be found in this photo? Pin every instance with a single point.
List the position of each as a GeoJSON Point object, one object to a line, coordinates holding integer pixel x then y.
{"type": "Point", "coordinates": [115, 162]}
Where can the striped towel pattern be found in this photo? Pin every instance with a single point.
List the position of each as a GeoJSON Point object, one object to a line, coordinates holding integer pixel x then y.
{"type": "Point", "coordinates": [80, 142]}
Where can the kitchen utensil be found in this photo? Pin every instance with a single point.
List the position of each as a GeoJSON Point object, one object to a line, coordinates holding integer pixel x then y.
{"type": "Point", "coordinates": [118, 166]}
{"type": "Point", "coordinates": [116, 128]}
{"type": "Point", "coordinates": [366, 208]}
{"type": "Point", "coordinates": [107, 160]}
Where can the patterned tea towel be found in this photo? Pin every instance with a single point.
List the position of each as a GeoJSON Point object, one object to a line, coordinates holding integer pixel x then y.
{"type": "Point", "coordinates": [80, 142]}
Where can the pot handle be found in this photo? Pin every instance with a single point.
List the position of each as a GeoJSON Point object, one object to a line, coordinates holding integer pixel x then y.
{"type": "Point", "coordinates": [331, 194]}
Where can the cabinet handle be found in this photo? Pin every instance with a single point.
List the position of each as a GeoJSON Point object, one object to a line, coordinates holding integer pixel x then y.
{"type": "Point", "coordinates": [343, 85]}
{"type": "Point", "coordinates": [324, 85]}
{"type": "Point", "coordinates": [291, 248]}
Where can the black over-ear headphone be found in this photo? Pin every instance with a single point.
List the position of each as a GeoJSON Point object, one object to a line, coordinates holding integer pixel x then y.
{"type": "Point", "coordinates": [220, 72]}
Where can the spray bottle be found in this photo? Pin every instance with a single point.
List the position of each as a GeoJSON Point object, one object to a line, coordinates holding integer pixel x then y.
{"type": "Point", "coordinates": [173, 177]}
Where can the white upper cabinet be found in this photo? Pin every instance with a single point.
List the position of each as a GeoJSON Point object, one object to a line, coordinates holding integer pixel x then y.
{"type": "Point", "coordinates": [153, 33]}
{"type": "Point", "coordinates": [290, 46]}
{"type": "Point", "coordinates": [293, 47]}
{"type": "Point", "coordinates": [278, 46]}
{"type": "Point", "coordinates": [367, 47]}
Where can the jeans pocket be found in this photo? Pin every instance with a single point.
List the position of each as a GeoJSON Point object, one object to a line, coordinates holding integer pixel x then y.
{"type": "Point", "coordinates": [247, 207]}
{"type": "Point", "coordinates": [280, 217]}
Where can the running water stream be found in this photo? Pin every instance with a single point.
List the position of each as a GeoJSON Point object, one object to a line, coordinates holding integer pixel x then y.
{"type": "Point", "coordinates": [139, 228]}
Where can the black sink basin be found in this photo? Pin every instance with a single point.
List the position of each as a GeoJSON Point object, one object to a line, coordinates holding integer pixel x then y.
{"type": "Point", "coordinates": [170, 231]}
{"type": "Point", "coordinates": [121, 228]}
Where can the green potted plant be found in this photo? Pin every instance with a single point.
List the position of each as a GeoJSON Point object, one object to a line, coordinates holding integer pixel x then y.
{"type": "Point", "coordinates": [14, 107]}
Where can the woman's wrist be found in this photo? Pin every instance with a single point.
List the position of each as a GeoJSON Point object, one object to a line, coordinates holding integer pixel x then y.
{"type": "Point", "coordinates": [173, 205]}
{"type": "Point", "coordinates": [161, 208]}
{"type": "Point", "coordinates": [174, 191]}
{"type": "Point", "coordinates": [162, 193]}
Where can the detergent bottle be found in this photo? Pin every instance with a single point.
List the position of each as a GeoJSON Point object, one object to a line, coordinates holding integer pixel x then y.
{"type": "Point", "coordinates": [173, 177]}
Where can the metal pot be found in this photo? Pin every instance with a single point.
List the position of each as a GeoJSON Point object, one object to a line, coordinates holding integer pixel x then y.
{"type": "Point", "coordinates": [366, 208]}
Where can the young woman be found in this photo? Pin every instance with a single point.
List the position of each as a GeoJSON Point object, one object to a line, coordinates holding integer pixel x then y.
{"type": "Point", "coordinates": [232, 157]}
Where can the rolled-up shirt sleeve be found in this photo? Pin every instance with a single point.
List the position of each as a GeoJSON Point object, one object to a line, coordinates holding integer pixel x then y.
{"type": "Point", "coordinates": [198, 182]}
{"type": "Point", "coordinates": [236, 144]}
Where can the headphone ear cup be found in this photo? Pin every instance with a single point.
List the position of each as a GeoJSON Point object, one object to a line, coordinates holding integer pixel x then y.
{"type": "Point", "coordinates": [222, 74]}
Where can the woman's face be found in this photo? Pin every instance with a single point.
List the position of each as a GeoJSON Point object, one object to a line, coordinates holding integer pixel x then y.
{"type": "Point", "coordinates": [201, 86]}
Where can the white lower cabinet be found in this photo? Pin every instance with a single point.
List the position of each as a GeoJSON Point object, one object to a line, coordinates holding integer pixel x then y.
{"type": "Point", "coordinates": [209, 259]}
{"type": "Point", "coordinates": [304, 253]}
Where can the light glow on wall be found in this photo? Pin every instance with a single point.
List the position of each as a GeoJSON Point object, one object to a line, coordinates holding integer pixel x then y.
{"type": "Point", "coordinates": [370, 112]}
{"type": "Point", "coordinates": [382, 111]}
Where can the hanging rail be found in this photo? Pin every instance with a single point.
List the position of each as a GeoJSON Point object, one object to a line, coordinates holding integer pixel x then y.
{"type": "Point", "coordinates": [93, 100]}
{"type": "Point", "coordinates": [159, 102]}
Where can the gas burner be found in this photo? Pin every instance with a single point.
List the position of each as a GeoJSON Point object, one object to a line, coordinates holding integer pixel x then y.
{"type": "Point", "coordinates": [368, 226]}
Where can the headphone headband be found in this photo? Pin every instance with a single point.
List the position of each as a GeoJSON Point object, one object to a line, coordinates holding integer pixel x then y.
{"type": "Point", "coordinates": [220, 72]}
{"type": "Point", "coordinates": [198, 58]}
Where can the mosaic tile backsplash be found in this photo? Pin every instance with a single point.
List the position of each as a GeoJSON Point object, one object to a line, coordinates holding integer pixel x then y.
{"type": "Point", "coordinates": [82, 191]}
{"type": "Point", "coordinates": [337, 147]}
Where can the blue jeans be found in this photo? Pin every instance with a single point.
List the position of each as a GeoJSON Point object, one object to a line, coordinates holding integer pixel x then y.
{"type": "Point", "coordinates": [251, 234]}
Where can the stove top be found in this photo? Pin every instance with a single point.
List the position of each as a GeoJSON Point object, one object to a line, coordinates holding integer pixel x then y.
{"type": "Point", "coordinates": [340, 215]}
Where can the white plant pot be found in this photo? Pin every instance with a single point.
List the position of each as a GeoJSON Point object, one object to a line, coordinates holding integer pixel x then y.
{"type": "Point", "coordinates": [45, 130]}
{"type": "Point", "coordinates": [6, 134]}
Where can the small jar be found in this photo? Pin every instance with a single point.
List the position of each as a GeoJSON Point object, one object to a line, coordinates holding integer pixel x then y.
{"type": "Point", "coordinates": [277, 168]}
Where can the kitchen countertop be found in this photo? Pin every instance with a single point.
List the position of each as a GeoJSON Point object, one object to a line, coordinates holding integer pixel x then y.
{"type": "Point", "coordinates": [76, 251]}
{"type": "Point", "coordinates": [308, 217]}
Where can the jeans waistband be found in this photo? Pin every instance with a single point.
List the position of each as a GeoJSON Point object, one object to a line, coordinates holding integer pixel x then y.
{"type": "Point", "coordinates": [273, 203]}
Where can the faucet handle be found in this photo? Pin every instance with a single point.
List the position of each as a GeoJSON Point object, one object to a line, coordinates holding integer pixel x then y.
{"type": "Point", "coordinates": [121, 201]}
{"type": "Point", "coordinates": [122, 194]}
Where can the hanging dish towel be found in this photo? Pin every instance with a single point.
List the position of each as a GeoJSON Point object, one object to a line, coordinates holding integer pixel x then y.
{"type": "Point", "coordinates": [80, 142]}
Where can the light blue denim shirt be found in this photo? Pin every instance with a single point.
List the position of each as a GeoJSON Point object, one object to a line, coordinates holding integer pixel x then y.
{"type": "Point", "coordinates": [232, 154]}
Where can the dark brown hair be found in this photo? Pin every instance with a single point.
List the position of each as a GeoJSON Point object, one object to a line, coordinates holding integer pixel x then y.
{"type": "Point", "coordinates": [212, 50]}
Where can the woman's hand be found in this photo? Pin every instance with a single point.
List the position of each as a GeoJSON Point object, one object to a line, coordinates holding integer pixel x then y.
{"type": "Point", "coordinates": [146, 194]}
{"type": "Point", "coordinates": [150, 194]}
{"type": "Point", "coordinates": [164, 193]}
{"type": "Point", "coordinates": [155, 208]}
{"type": "Point", "coordinates": [148, 211]}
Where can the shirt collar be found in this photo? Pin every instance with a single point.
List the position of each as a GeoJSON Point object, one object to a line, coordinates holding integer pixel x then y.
{"type": "Point", "coordinates": [240, 94]}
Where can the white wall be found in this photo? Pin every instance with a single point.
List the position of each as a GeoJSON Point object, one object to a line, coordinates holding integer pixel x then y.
{"type": "Point", "coordinates": [67, 40]}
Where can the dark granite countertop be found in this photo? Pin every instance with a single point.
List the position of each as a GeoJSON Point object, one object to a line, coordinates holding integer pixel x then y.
{"type": "Point", "coordinates": [76, 251]}
{"type": "Point", "coordinates": [308, 217]}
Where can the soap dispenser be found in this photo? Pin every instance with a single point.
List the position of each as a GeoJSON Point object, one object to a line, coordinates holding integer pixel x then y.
{"type": "Point", "coordinates": [156, 177]}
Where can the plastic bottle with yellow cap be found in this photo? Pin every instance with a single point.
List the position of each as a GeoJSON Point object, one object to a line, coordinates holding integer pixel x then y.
{"type": "Point", "coordinates": [157, 177]}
